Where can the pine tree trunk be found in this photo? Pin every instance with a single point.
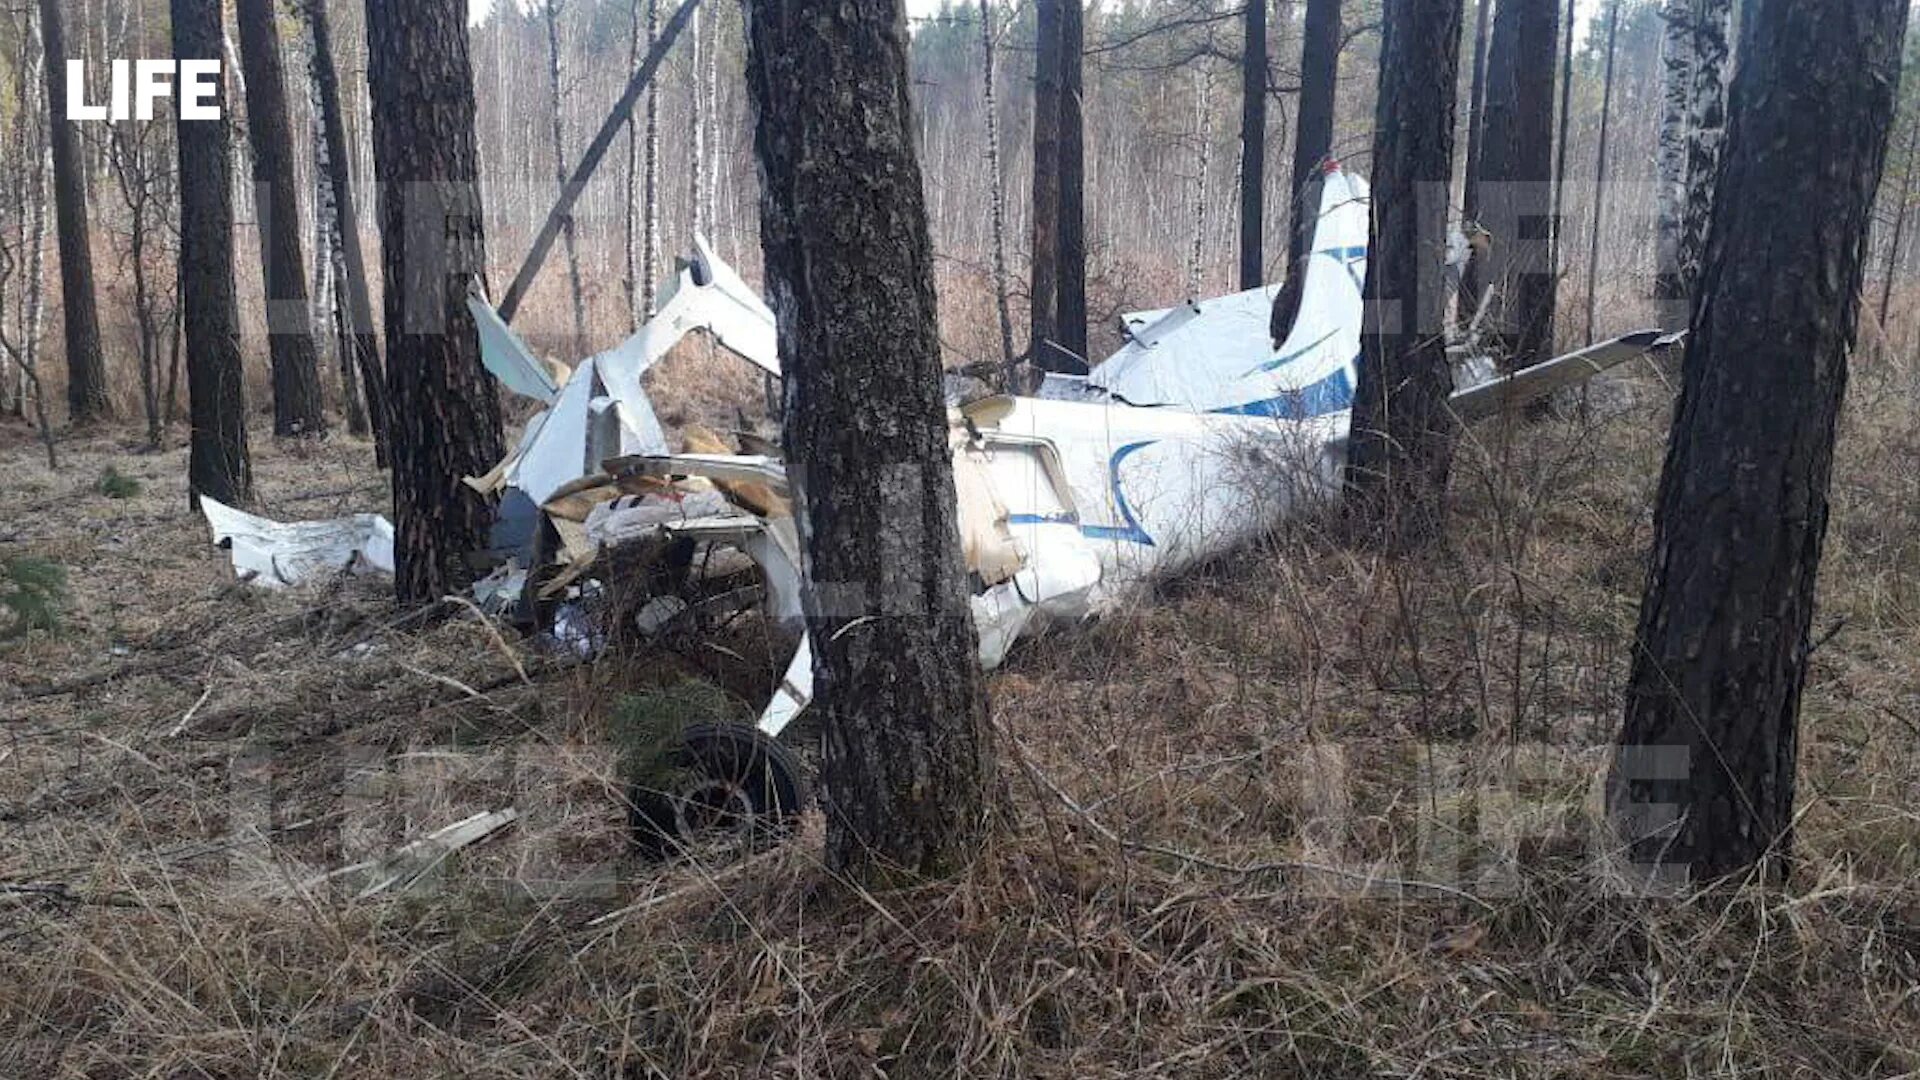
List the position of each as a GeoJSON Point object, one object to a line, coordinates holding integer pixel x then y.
{"type": "Point", "coordinates": [1070, 308]}
{"type": "Point", "coordinates": [299, 408]}
{"type": "Point", "coordinates": [443, 406]}
{"type": "Point", "coordinates": [1044, 285]}
{"type": "Point", "coordinates": [1401, 447]}
{"type": "Point", "coordinates": [1312, 148]}
{"type": "Point", "coordinates": [87, 398]}
{"type": "Point", "coordinates": [907, 770]}
{"type": "Point", "coordinates": [1704, 776]}
{"type": "Point", "coordinates": [365, 340]}
{"type": "Point", "coordinates": [1253, 146]}
{"type": "Point", "coordinates": [218, 464]}
{"type": "Point", "coordinates": [1515, 182]}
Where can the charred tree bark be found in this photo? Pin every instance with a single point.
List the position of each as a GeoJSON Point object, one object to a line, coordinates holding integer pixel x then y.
{"type": "Point", "coordinates": [1044, 285]}
{"type": "Point", "coordinates": [1070, 311]}
{"type": "Point", "coordinates": [364, 341]}
{"type": "Point", "coordinates": [218, 464]}
{"type": "Point", "coordinates": [907, 773]}
{"type": "Point", "coordinates": [1312, 149]}
{"type": "Point", "coordinates": [1253, 146]}
{"type": "Point", "coordinates": [1676, 90]}
{"type": "Point", "coordinates": [1703, 779]}
{"type": "Point", "coordinates": [87, 398]}
{"type": "Point", "coordinates": [299, 407]}
{"type": "Point", "coordinates": [1401, 448]}
{"type": "Point", "coordinates": [1515, 183]}
{"type": "Point", "coordinates": [444, 407]}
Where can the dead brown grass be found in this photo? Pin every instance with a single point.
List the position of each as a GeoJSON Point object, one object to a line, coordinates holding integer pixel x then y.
{"type": "Point", "coordinates": [1173, 892]}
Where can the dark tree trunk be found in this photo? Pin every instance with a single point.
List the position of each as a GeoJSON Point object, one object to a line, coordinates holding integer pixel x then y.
{"type": "Point", "coordinates": [364, 341]}
{"type": "Point", "coordinates": [1600, 168]}
{"type": "Point", "coordinates": [1312, 147]}
{"type": "Point", "coordinates": [907, 772]}
{"type": "Point", "coordinates": [1703, 780]}
{"type": "Point", "coordinates": [86, 370]}
{"type": "Point", "coordinates": [1401, 447]}
{"type": "Point", "coordinates": [1514, 187]}
{"type": "Point", "coordinates": [1253, 146]}
{"type": "Point", "coordinates": [1477, 102]}
{"type": "Point", "coordinates": [1044, 285]}
{"type": "Point", "coordinates": [1564, 139]}
{"type": "Point", "coordinates": [218, 465]}
{"type": "Point", "coordinates": [443, 406]}
{"type": "Point", "coordinates": [299, 407]}
{"type": "Point", "coordinates": [1070, 311]}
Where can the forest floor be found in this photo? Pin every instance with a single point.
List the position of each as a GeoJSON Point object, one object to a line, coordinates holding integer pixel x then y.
{"type": "Point", "coordinates": [1309, 813]}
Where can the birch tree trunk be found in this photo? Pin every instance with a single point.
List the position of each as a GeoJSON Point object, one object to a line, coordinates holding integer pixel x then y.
{"type": "Point", "coordinates": [1676, 95]}
{"type": "Point", "coordinates": [351, 271]}
{"type": "Point", "coordinates": [1706, 130]}
{"type": "Point", "coordinates": [907, 771]}
{"type": "Point", "coordinates": [650, 253]}
{"type": "Point", "coordinates": [997, 194]}
{"type": "Point", "coordinates": [558, 142]}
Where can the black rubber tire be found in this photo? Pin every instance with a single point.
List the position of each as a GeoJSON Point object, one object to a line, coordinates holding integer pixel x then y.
{"type": "Point", "coordinates": [733, 779]}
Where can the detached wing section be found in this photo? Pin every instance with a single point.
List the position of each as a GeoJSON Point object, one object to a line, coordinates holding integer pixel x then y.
{"type": "Point", "coordinates": [1539, 381]}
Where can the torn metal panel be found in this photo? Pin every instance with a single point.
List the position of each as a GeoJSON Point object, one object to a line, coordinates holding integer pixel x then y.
{"type": "Point", "coordinates": [284, 554]}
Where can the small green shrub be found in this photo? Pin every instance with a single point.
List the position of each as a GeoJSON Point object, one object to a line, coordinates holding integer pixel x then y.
{"type": "Point", "coordinates": [32, 592]}
{"type": "Point", "coordinates": [646, 728]}
{"type": "Point", "coordinates": [115, 484]}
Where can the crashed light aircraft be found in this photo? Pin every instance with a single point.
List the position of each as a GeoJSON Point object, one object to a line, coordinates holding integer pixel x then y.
{"type": "Point", "coordinates": [1195, 438]}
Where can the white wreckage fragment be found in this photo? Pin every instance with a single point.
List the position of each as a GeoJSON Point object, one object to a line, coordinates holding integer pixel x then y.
{"type": "Point", "coordinates": [280, 555]}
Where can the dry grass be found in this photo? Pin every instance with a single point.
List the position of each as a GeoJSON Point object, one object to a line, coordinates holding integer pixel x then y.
{"type": "Point", "coordinates": [1151, 908]}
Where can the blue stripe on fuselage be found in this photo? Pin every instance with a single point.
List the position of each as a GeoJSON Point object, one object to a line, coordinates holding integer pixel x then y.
{"type": "Point", "coordinates": [1330, 395]}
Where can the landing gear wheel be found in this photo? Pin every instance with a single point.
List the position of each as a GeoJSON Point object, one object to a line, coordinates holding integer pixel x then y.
{"type": "Point", "coordinates": [730, 780]}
